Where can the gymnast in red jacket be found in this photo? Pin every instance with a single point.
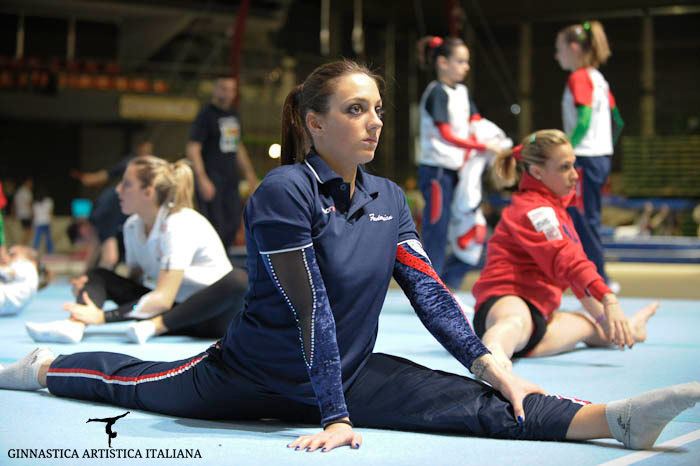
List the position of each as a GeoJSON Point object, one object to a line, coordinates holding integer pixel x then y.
{"type": "Point", "coordinates": [535, 254]}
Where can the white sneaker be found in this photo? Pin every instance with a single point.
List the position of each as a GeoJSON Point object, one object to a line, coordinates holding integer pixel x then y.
{"type": "Point", "coordinates": [58, 331]}
{"type": "Point", "coordinates": [140, 332]}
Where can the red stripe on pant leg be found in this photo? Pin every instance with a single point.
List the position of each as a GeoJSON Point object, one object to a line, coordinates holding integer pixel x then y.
{"type": "Point", "coordinates": [477, 233]}
{"type": "Point", "coordinates": [574, 400]}
{"type": "Point", "coordinates": [435, 201]}
{"type": "Point", "coordinates": [62, 370]}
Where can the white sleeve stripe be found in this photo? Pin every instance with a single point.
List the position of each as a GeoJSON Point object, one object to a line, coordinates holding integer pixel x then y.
{"type": "Point", "coordinates": [277, 251]}
{"type": "Point", "coordinates": [415, 246]}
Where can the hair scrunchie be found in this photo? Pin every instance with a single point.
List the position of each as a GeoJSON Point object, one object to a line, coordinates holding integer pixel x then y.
{"type": "Point", "coordinates": [435, 42]}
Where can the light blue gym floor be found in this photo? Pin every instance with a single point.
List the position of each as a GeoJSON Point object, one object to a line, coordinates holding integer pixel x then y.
{"type": "Point", "coordinates": [39, 420]}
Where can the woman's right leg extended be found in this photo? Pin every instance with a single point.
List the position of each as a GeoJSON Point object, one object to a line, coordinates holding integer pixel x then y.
{"type": "Point", "coordinates": [201, 387]}
{"type": "Point", "coordinates": [509, 327]}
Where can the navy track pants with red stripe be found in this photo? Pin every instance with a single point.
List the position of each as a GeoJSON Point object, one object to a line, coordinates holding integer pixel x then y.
{"type": "Point", "coordinates": [389, 392]}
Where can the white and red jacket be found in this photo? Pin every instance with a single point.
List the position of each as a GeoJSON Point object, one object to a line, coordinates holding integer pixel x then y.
{"type": "Point", "coordinates": [536, 254]}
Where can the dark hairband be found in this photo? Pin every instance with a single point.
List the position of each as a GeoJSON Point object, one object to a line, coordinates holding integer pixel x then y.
{"type": "Point", "coordinates": [435, 42]}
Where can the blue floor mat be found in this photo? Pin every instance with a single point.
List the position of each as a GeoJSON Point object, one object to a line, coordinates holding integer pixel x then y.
{"type": "Point", "coordinates": [39, 422]}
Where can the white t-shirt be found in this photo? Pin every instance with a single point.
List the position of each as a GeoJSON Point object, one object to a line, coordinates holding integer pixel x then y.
{"type": "Point", "coordinates": [183, 240]}
{"type": "Point", "coordinates": [587, 86]}
{"type": "Point", "coordinates": [43, 210]}
{"type": "Point", "coordinates": [441, 103]}
{"type": "Point", "coordinates": [23, 203]}
{"type": "Point", "coordinates": [18, 284]}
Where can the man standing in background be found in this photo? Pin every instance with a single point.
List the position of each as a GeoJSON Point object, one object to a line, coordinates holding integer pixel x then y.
{"type": "Point", "coordinates": [23, 208]}
{"type": "Point", "coordinates": [219, 159]}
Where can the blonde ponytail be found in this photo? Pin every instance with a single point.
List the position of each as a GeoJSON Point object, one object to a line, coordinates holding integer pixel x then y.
{"type": "Point", "coordinates": [532, 150]}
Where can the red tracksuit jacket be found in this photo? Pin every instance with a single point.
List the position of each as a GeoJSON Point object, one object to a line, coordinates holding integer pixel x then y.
{"type": "Point", "coordinates": [536, 254]}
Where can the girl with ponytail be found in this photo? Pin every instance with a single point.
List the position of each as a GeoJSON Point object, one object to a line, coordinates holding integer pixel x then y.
{"type": "Point", "coordinates": [593, 124]}
{"type": "Point", "coordinates": [177, 264]}
{"type": "Point", "coordinates": [446, 143]}
{"type": "Point", "coordinates": [535, 254]}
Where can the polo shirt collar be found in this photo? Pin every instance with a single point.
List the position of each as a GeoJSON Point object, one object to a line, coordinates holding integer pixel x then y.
{"type": "Point", "coordinates": [334, 183]}
{"type": "Point", "coordinates": [322, 172]}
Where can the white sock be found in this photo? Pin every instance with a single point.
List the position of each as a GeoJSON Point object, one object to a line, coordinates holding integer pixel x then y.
{"type": "Point", "coordinates": [59, 331]}
{"type": "Point", "coordinates": [140, 332]}
{"type": "Point", "coordinates": [24, 374]}
{"type": "Point", "coordinates": [638, 421]}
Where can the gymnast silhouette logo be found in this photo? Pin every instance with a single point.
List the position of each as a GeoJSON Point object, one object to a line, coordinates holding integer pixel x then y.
{"type": "Point", "coordinates": [108, 428]}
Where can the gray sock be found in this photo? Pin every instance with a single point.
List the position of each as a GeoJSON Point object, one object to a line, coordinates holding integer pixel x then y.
{"type": "Point", "coordinates": [638, 421]}
{"type": "Point", "coordinates": [23, 375]}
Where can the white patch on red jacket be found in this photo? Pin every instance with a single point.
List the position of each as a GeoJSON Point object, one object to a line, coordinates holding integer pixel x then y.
{"type": "Point", "coordinates": [544, 220]}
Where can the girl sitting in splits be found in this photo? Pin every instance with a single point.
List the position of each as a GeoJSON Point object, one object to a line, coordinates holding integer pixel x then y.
{"type": "Point", "coordinates": [181, 279]}
{"type": "Point", "coordinates": [534, 255]}
{"type": "Point", "coordinates": [324, 238]}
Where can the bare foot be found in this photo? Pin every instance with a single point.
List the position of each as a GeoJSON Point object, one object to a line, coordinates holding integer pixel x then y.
{"type": "Point", "coordinates": [638, 322]}
{"type": "Point", "coordinates": [501, 357]}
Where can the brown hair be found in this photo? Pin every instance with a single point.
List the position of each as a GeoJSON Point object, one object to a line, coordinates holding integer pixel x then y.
{"type": "Point", "coordinates": [313, 95]}
{"type": "Point", "coordinates": [533, 150]}
{"type": "Point", "coordinates": [173, 182]}
{"type": "Point", "coordinates": [590, 36]}
{"type": "Point", "coordinates": [431, 47]}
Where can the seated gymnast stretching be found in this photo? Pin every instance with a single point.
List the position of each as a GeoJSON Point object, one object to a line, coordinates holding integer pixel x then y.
{"type": "Point", "coordinates": [21, 275]}
{"type": "Point", "coordinates": [181, 279]}
{"type": "Point", "coordinates": [324, 238]}
{"type": "Point", "coordinates": [534, 255]}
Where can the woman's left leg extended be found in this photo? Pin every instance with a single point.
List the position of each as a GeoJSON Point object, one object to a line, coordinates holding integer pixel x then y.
{"type": "Point", "coordinates": [394, 393]}
{"type": "Point", "coordinates": [567, 329]}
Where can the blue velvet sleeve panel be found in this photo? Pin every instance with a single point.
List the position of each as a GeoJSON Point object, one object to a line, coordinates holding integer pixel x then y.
{"type": "Point", "coordinates": [297, 277]}
{"type": "Point", "coordinates": [435, 305]}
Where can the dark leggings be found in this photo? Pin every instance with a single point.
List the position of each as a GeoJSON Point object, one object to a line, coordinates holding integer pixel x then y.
{"type": "Point", "coordinates": [388, 393]}
{"type": "Point", "coordinates": [205, 314]}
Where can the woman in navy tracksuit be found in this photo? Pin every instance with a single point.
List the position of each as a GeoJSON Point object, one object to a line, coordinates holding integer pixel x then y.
{"type": "Point", "coordinates": [324, 238]}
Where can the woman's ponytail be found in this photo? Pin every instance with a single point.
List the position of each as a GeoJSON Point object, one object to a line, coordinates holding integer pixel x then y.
{"type": "Point", "coordinates": [294, 137]}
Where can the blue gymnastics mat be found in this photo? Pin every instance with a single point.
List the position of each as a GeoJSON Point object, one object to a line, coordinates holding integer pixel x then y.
{"type": "Point", "coordinates": [39, 423]}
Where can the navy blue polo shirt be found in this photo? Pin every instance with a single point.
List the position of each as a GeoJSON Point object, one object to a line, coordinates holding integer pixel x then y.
{"type": "Point", "coordinates": [355, 245]}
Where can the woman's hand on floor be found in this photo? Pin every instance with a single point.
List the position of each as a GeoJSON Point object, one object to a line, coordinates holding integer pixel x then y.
{"type": "Point", "coordinates": [334, 435]}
